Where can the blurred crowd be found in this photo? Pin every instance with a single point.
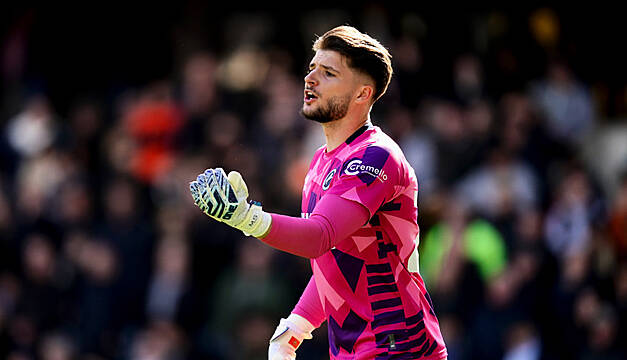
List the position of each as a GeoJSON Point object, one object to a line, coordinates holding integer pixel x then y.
{"type": "Point", "coordinates": [522, 208]}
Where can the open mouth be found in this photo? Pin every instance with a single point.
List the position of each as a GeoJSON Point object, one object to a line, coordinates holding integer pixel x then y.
{"type": "Point", "coordinates": [310, 96]}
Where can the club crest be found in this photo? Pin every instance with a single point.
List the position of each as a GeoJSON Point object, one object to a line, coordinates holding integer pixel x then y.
{"type": "Point", "coordinates": [327, 180]}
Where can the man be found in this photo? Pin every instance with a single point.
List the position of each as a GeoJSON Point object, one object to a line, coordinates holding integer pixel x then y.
{"type": "Point", "coordinates": [359, 224]}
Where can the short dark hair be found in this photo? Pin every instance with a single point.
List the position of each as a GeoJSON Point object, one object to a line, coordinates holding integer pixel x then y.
{"type": "Point", "coordinates": [364, 54]}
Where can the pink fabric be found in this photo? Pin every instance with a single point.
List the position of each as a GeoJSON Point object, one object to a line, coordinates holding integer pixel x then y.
{"type": "Point", "coordinates": [309, 305]}
{"type": "Point", "coordinates": [333, 219]}
{"type": "Point", "coordinates": [363, 283]}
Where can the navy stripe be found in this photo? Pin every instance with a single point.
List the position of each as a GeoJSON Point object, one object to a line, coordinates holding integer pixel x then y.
{"type": "Point", "coordinates": [380, 279]}
{"type": "Point", "coordinates": [414, 319]}
{"type": "Point", "coordinates": [423, 349]}
{"type": "Point", "coordinates": [420, 340]}
{"type": "Point", "coordinates": [433, 346]}
{"type": "Point", "coordinates": [409, 345]}
{"type": "Point", "coordinates": [391, 206]}
{"type": "Point", "coordinates": [380, 289]}
{"type": "Point", "coordinates": [387, 318]}
{"type": "Point", "coordinates": [400, 336]}
{"type": "Point", "coordinates": [388, 303]}
{"type": "Point", "coordinates": [416, 329]}
{"type": "Point", "coordinates": [378, 268]}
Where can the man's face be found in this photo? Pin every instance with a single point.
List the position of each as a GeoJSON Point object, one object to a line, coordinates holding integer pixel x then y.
{"type": "Point", "coordinates": [329, 87]}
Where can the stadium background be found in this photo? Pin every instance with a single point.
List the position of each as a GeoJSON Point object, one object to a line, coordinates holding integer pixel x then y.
{"type": "Point", "coordinates": [513, 118]}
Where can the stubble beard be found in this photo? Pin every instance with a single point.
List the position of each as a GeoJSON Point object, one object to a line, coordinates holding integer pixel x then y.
{"type": "Point", "coordinates": [335, 109]}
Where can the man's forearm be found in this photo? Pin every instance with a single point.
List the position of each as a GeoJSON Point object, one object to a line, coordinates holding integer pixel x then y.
{"type": "Point", "coordinates": [333, 220]}
{"type": "Point", "coordinates": [309, 305]}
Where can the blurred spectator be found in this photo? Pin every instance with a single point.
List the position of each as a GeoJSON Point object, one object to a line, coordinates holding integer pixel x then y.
{"type": "Point", "coordinates": [457, 239]}
{"type": "Point", "coordinates": [159, 341]}
{"type": "Point", "coordinates": [522, 343]}
{"type": "Point", "coordinates": [199, 84]}
{"type": "Point", "coordinates": [408, 67]}
{"type": "Point", "coordinates": [130, 236]}
{"type": "Point", "coordinates": [40, 304]}
{"type": "Point", "coordinates": [523, 134]}
{"type": "Point", "coordinates": [248, 299]}
{"type": "Point", "coordinates": [567, 104]}
{"type": "Point", "coordinates": [171, 294]}
{"type": "Point", "coordinates": [57, 346]}
{"type": "Point", "coordinates": [168, 280]}
{"type": "Point", "coordinates": [468, 79]}
{"type": "Point", "coordinates": [33, 130]}
{"type": "Point", "coordinates": [73, 205]}
{"type": "Point", "coordinates": [83, 135]}
{"type": "Point", "coordinates": [418, 146]}
{"type": "Point", "coordinates": [37, 182]}
{"type": "Point", "coordinates": [499, 187]}
{"type": "Point", "coordinates": [602, 340]}
{"type": "Point", "coordinates": [456, 152]}
{"type": "Point", "coordinates": [95, 296]}
{"type": "Point", "coordinates": [609, 143]}
{"type": "Point", "coordinates": [617, 224]}
{"type": "Point", "coordinates": [570, 219]}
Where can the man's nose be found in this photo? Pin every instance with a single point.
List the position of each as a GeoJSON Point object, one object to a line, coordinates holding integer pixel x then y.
{"type": "Point", "coordinates": [310, 78]}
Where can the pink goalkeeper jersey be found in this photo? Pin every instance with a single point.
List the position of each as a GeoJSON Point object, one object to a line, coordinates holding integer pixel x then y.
{"type": "Point", "coordinates": [368, 285]}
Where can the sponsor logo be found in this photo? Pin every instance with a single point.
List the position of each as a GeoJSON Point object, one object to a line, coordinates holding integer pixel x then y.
{"type": "Point", "coordinates": [328, 179]}
{"type": "Point", "coordinates": [356, 166]}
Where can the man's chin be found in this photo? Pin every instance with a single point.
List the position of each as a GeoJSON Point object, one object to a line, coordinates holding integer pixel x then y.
{"type": "Point", "coordinates": [315, 116]}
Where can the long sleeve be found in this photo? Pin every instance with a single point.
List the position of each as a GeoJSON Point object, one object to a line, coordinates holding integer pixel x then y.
{"type": "Point", "coordinates": [333, 220]}
{"type": "Point", "coordinates": [309, 305]}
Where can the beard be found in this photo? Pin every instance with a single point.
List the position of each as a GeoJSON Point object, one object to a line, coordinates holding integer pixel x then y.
{"type": "Point", "coordinates": [335, 109]}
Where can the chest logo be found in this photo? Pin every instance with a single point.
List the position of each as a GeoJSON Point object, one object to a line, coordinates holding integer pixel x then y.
{"type": "Point", "coordinates": [357, 167]}
{"type": "Point", "coordinates": [327, 180]}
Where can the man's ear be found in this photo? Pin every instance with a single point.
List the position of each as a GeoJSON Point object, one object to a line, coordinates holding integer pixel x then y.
{"type": "Point", "coordinates": [366, 93]}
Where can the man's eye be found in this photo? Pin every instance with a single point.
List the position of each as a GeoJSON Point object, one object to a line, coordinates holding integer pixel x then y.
{"type": "Point", "coordinates": [329, 74]}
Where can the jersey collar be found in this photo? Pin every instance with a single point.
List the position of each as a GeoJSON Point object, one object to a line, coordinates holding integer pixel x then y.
{"type": "Point", "coordinates": [358, 132]}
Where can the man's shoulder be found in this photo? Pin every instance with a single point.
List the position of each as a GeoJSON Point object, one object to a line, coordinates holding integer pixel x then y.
{"type": "Point", "coordinates": [377, 141]}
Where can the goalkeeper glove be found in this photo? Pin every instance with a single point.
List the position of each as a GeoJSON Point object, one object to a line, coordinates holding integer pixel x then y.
{"type": "Point", "coordinates": [225, 199]}
{"type": "Point", "coordinates": [288, 336]}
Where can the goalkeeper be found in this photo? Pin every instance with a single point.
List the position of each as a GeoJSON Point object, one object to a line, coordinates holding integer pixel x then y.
{"type": "Point", "coordinates": [359, 224]}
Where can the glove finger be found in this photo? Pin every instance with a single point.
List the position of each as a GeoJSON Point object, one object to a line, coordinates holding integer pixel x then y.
{"type": "Point", "coordinates": [209, 204]}
{"type": "Point", "coordinates": [238, 184]}
{"type": "Point", "coordinates": [216, 194]}
{"type": "Point", "coordinates": [200, 199]}
{"type": "Point", "coordinates": [206, 188]}
{"type": "Point", "coordinates": [201, 179]}
{"type": "Point", "coordinates": [195, 191]}
{"type": "Point", "coordinates": [223, 182]}
{"type": "Point", "coordinates": [212, 178]}
{"type": "Point", "coordinates": [205, 184]}
{"type": "Point", "coordinates": [208, 173]}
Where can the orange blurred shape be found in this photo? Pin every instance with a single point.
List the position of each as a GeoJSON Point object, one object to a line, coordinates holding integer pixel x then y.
{"type": "Point", "coordinates": [154, 124]}
{"type": "Point", "coordinates": [152, 119]}
{"type": "Point", "coordinates": [151, 161]}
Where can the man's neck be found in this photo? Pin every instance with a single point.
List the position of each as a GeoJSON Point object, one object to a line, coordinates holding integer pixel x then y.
{"type": "Point", "coordinates": [336, 132]}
